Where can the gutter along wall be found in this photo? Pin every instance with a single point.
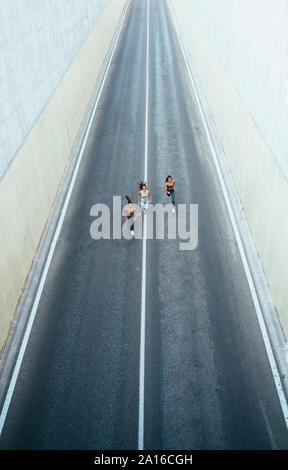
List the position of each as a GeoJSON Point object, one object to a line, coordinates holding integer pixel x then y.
{"type": "Point", "coordinates": [39, 123]}
{"type": "Point", "coordinates": [238, 50]}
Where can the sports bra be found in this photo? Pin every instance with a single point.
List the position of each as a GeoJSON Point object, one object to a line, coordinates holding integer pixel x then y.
{"type": "Point", "coordinates": [144, 196]}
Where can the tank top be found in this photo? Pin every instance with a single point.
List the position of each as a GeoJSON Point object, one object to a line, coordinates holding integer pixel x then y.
{"type": "Point", "coordinates": [144, 196]}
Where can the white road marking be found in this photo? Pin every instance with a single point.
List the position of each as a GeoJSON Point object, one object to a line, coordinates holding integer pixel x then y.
{"type": "Point", "coordinates": [269, 350]}
{"type": "Point", "coordinates": [143, 288]}
{"type": "Point", "coordinates": [17, 367]}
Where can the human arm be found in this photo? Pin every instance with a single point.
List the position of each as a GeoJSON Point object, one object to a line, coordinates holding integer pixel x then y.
{"type": "Point", "coordinates": [136, 213]}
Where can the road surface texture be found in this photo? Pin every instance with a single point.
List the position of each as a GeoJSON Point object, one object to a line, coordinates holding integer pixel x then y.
{"type": "Point", "coordinates": [208, 383]}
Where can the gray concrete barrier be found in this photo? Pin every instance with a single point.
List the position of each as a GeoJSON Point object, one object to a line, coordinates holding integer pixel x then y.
{"type": "Point", "coordinates": [29, 186]}
{"type": "Point", "coordinates": [258, 173]}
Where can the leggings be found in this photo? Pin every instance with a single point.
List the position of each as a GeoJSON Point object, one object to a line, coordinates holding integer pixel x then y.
{"type": "Point", "coordinates": [144, 204]}
{"type": "Point", "coordinates": [132, 225]}
{"type": "Point", "coordinates": [172, 194]}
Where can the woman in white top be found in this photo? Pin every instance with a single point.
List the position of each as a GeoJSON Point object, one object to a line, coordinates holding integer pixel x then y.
{"type": "Point", "coordinates": [144, 196]}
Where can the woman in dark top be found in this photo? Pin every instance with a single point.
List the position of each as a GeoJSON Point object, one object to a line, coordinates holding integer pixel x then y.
{"type": "Point", "coordinates": [170, 187]}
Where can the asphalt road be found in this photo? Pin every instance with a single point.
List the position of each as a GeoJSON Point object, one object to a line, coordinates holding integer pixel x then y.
{"type": "Point", "coordinates": [208, 383]}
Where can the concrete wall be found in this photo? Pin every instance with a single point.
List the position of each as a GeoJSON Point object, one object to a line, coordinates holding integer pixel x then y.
{"type": "Point", "coordinates": [238, 49]}
{"type": "Point", "coordinates": [31, 177]}
{"type": "Point", "coordinates": [38, 42]}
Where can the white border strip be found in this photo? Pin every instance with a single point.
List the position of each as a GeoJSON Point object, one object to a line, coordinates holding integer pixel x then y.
{"type": "Point", "coordinates": [277, 380]}
{"type": "Point", "coordinates": [17, 367]}
{"type": "Point", "coordinates": [143, 289]}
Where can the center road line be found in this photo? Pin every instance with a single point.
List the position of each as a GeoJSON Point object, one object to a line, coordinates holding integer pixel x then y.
{"type": "Point", "coordinates": [28, 329]}
{"type": "Point", "coordinates": [143, 287]}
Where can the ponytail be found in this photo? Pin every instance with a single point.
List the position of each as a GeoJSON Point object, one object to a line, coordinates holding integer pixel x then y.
{"type": "Point", "coordinates": [141, 184]}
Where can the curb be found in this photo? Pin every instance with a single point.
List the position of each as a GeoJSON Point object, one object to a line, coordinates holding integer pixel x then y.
{"type": "Point", "coordinates": [269, 320]}
{"type": "Point", "coordinates": [21, 320]}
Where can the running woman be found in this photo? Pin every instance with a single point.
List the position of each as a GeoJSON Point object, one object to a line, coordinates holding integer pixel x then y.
{"type": "Point", "coordinates": [130, 211]}
{"type": "Point", "coordinates": [170, 187]}
{"type": "Point", "coordinates": [144, 196]}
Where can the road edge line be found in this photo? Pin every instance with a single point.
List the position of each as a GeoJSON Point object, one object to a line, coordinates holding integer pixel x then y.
{"type": "Point", "coordinates": [280, 363]}
{"type": "Point", "coordinates": [28, 327]}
